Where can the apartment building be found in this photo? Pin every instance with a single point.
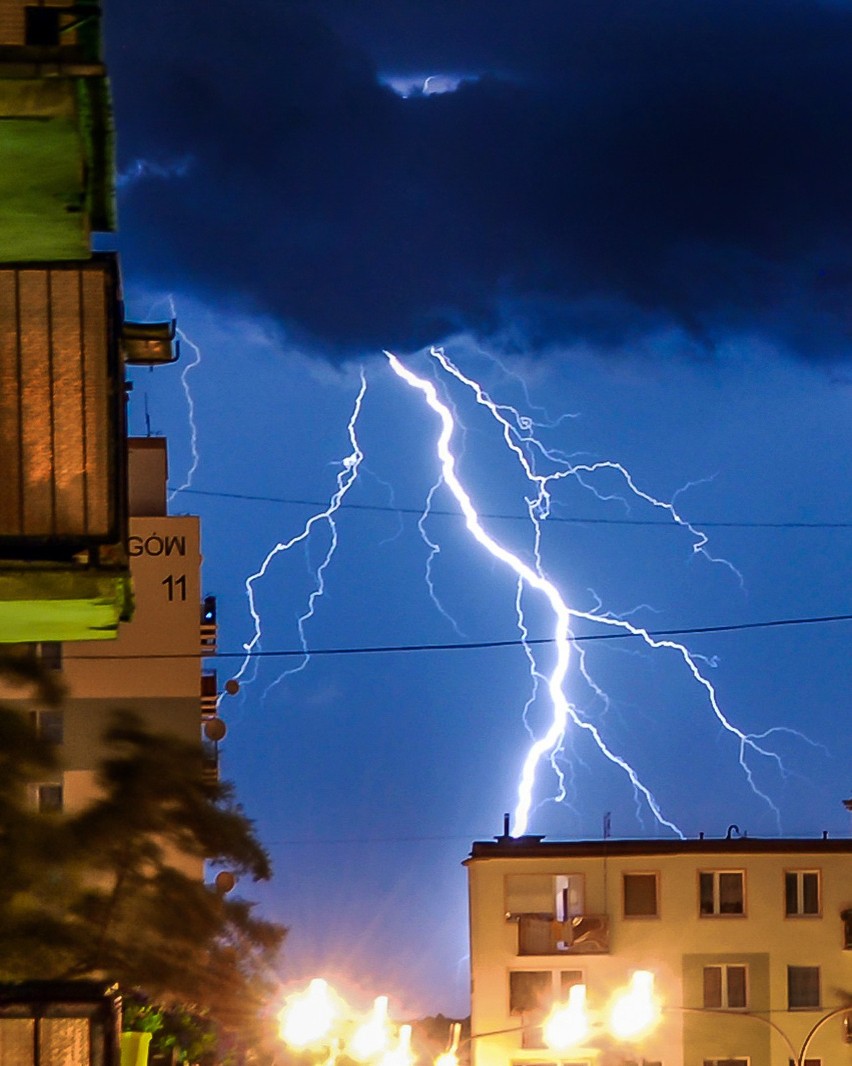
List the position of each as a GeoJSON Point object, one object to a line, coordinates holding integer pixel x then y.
{"type": "Point", "coordinates": [749, 942]}
{"type": "Point", "coordinates": [154, 666]}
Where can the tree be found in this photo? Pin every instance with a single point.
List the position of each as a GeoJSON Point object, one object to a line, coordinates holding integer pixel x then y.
{"type": "Point", "coordinates": [37, 860]}
{"type": "Point", "coordinates": [145, 921]}
{"type": "Point", "coordinates": [113, 891]}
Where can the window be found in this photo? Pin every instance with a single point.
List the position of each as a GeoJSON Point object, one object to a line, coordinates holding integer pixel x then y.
{"type": "Point", "coordinates": [531, 995]}
{"type": "Point", "coordinates": [726, 987]}
{"type": "Point", "coordinates": [42, 26]}
{"type": "Point", "coordinates": [49, 725]}
{"type": "Point", "coordinates": [721, 892]}
{"type": "Point", "coordinates": [801, 892]}
{"type": "Point", "coordinates": [640, 896]}
{"type": "Point", "coordinates": [558, 896]}
{"type": "Point", "coordinates": [49, 798]}
{"type": "Point", "coordinates": [808, 1062]}
{"type": "Point", "coordinates": [802, 987]}
{"type": "Point", "coordinates": [726, 1062]}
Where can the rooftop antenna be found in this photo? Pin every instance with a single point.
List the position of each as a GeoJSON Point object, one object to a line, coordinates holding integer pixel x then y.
{"type": "Point", "coordinates": [147, 417]}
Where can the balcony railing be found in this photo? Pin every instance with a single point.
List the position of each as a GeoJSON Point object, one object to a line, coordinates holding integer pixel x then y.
{"type": "Point", "coordinates": [581, 934]}
{"type": "Point", "coordinates": [209, 694]}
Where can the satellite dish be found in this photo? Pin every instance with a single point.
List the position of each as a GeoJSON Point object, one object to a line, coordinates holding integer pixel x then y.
{"type": "Point", "coordinates": [215, 729]}
{"type": "Point", "coordinates": [224, 882]}
{"type": "Point", "coordinates": [232, 686]}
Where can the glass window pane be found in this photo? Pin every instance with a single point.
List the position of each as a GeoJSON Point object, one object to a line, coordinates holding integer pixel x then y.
{"type": "Point", "coordinates": [712, 986]}
{"type": "Point", "coordinates": [791, 893]}
{"type": "Point", "coordinates": [706, 893]}
{"type": "Point", "coordinates": [810, 893]}
{"type": "Point", "coordinates": [529, 990]}
{"type": "Point", "coordinates": [640, 895]}
{"type": "Point", "coordinates": [730, 893]}
{"type": "Point", "coordinates": [736, 986]}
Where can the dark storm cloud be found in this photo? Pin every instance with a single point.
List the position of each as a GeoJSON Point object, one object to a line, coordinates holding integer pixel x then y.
{"type": "Point", "coordinates": [616, 168]}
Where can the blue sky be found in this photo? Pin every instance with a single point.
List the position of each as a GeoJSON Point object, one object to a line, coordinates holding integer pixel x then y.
{"type": "Point", "coordinates": [603, 221]}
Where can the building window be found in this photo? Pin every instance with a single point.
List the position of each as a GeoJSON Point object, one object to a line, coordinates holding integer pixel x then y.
{"type": "Point", "coordinates": [557, 896]}
{"type": "Point", "coordinates": [721, 892]}
{"type": "Point", "coordinates": [41, 26]}
{"type": "Point", "coordinates": [807, 1062]}
{"type": "Point", "coordinates": [640, 896]}
{"type": "Point", "coordinates": [532, 993]}
{"type": "Point", "coordinates": [726, 987]}
{"type": "Point", "coordinates": [49, 798]}
{"type": "Point", "coordinates": [803, 987]}
{"type": "Point", "coordinates": [801, 893]}
{"type": "Point", "coordinates": [50, 725]}
{"type": "Point", "coordinates": [726, 1062]}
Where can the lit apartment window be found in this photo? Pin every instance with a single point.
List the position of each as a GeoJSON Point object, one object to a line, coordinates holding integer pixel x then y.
{"type": "Point", "coordinates": [49, 798]}
{"type": "Point", "coordinates": [721, 892]}
{"type": "Point", "coordinates": [726, 987]}
{"type": "Point", "coordinates": [640, 896]}
{"type": "Point", "coordinates": [50, 725]}
{"type": "Point", "coordinates": [803, 987]}
{"type": "Point", "coordinates": [801, 892]}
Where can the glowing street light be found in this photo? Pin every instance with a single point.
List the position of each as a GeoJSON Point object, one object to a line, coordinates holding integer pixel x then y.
{"type": "Point", "coordinates": [372, 1037]}
{"type": "Point", "coordinates": [401, 1054]}
{"type": "Point", "coordinates": [450, 1056]}
{"type": "Point", "coordinates": [307, 1018]}
{"type": "Point", "coordinates": [636, 1010]}
{"type": "Point", "coordinates": [568, 1023]}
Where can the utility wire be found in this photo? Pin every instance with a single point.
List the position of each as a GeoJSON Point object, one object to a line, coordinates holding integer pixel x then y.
{"type": "Point", "coordinates": [385, 649]}
{"type": "Point", "coordinates": [520, 518]}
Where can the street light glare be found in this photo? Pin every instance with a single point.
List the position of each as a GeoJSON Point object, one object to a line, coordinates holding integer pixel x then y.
{"type": "Point", "coordinates": [636, 1010]}
{"type": "Point", "coordinates": [568, 1024]}
{"type": "Point", "coordinates": [308, 1017]}
{"type": "Point", "coordinates": [372, 1037]}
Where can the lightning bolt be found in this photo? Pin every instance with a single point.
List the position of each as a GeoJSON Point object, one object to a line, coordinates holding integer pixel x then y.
{"type": "Point", "coordinates": [518, 435]}
{"type": "Point", "coordinates": [190, 404]}
{"type": "Point", "coordinates": [346, 478]}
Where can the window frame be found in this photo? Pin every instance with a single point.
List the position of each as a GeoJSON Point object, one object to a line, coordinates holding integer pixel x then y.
{"type": "Point", "coordinates": [717, 874]}
{"type": "Point", "coordinates": [640, 873]}
{"type": "Point", "coordinates": [725, 987]}
{"type": "Point", "coordinates": [799, 874]}
{"type": "Point", "coordinates": [531, 1037]}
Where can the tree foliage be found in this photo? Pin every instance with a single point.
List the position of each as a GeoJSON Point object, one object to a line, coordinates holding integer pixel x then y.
{"type": "Point", "coordinates": [115, 889]}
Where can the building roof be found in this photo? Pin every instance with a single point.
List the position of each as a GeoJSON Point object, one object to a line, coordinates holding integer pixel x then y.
{"type": "Point", "coordinates": [534, 847]}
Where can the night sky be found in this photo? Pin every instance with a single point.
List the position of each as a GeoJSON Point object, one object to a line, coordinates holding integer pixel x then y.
{"type": "Point", "coordinates": [631, 221]}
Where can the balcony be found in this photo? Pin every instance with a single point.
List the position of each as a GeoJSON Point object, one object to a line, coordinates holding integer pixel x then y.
{"type": "Point", "coordinates": [581, 934]}
{"type": "Point", "coordinates": [210, 763]}
{"type": "Point", "coordinates": [209, 695]}
{"type": "Point", "coordinates": [207, 626]}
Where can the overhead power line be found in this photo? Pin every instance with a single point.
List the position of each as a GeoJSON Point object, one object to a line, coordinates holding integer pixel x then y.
{"type": "Point", "coordinates": [386, 649]}
{"type": "Point", "coordinates": [580, 521]}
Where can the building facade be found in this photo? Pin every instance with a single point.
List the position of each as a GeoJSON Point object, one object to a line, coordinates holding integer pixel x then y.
{"type": "Point", "coordinates": [154, 666]}
{"type": "Point", "coordinates": [749, 942]}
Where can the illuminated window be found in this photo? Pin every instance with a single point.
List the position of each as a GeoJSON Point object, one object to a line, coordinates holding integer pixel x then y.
{"type": "Point", "coordinates": [803, 987]}
{"type": "Point", "coordinates": [726, 987]}
{"type": "Point", "coordinates": [801, 892]}
{"type": "Point", "coordinates": [640, 896]}
{"type": "Point", "coordinates": [721, 892]}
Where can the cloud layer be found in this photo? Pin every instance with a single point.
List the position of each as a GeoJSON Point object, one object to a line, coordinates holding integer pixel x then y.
{"type": "Point", "coordinates": [605, 169]}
